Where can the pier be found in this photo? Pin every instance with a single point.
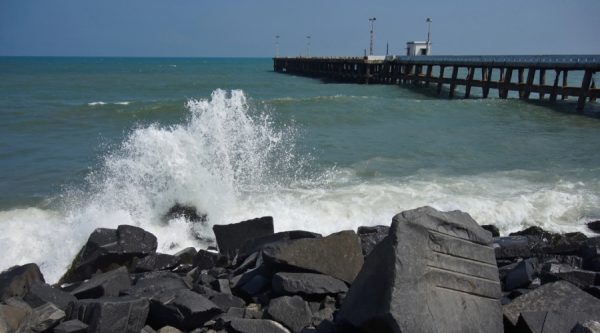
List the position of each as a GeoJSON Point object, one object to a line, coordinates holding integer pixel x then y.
{"type": "Point", "coordinates": [546, 76]}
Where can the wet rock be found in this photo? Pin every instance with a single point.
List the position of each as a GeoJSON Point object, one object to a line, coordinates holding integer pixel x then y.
{"type": "Point", "coordinates": [594, 226]}
{"type": "Point", "coordinates": [107, 284]}
{"type": "Point", "coordinates": [41, 293]}
{"type": "Point", "coordinates": [187, 212]}
{"type": "Point", "coordinates": [257, 326]}
{"type": "Point", "coordinates": [512, 247]}
{"type": "Point", "coordinates": [521, 275]}
{"type": "Point", "coordinates": [155, 262]}
{"type": "Point", "coordinates": [371, 236]}
{"type": "Point", "coordinates": [435, 272]}
{"type": "Point", "coordinates": [71, 326]}
{"type": "Point", "coordinates": [107, 249]}
{"type": "Point", "coordinates": [227, 301]}
{"type": "Point", "coordinates": [111, 314]}
{"type": "Point", "coordinates": [187, 255]}
{"type": "Point", "coordinates": [557, 296]}
{"type": "Point", "coordinates": [231, 237]}
{"type": "Point", "coordinates": [338, 255]}
{"type": "Point", "coordinates": [291, 311]}
{"type": "Point", "coordinates": [492, 228]}
{"type": "Point", "coordinates": [45, 317]}
{"type": "Point", "coordinates": [181, 308]}
{"type": "Point", "coordinates": [17, 280]}
{"type": "Point", "coordinates": [256, 244]}
{"type": "Point", "coordinates": [542, 241]}
{"type": "Point", "coordinates": [205, 259]}
{"type": "Point", "coordinates": [307, 284]}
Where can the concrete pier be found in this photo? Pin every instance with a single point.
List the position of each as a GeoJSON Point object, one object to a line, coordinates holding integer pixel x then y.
{"type": "Point", "coordinates": [501, 73]}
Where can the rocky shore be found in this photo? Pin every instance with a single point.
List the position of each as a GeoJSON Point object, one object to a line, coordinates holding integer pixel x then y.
{"type": "Point", "coordinates": [429, 271]}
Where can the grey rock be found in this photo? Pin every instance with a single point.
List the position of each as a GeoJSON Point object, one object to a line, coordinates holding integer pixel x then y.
{"type": "Point", "coordinates": [205, 259]}
{"type": "Point", "coordinates": [45, 317]}
{"type": "Point", "coordinates": [107, 249]}
{"type": "Point", "coordinates": [168, 329]}
{"type": "Point", "coordinates": [371, 236]}
{"type": "Point", "coordinates": [151, 284]}
{"type": "Point", "coordinates": [435, 272]}
{"type": "Point", "coordinates": [231, 237]}
{"type": "Point", "coordinates": [17, 280]}
{"type": "Point", "coordinates": [552, 321]}
{"type": "Point", "coordinates": [306, 284]}
{"type": "Point", "coordinates": [556, 296]}
{"type": "Point", "coordinates": [589, 326]}
{"type": "Point", "coordinates": [154, 262]}
{"type": "Point", "coordinates": [181, 308]}
{"type": "Point", "coordinates": [594, 226]}
{"type": "Point", "coordinates": [186, 256]}
{"type": "Point", "coordinates": [221, 285]}
{"type": "Point", "coordinates": [111, 314]}
{"type": "Point", "coordinates": [512, 247]}
{"type": "Point", "coordinates": [338, 255]}
{"type": "Point", "coordinates": [291, 311]}
{"type": "Point", "coordinates": [256, 244]}
{"type": "Point", "coordinates": [522, 275]}
{"type": "Point", "coordinates": [71, 326]}
{"type": "Point", "coordinates": [148, 329]}
{"type": "Point", "coordinates": [41, 293]}
{"type": "Point", "coordinates": [227, 301]}
{"type": "Point", "coordinates": [257, 326]}
{"type": "Point", "coordinates": [107, 284]}
{"type": "Point", "coordinates": [14, 316]}
{"type": "Point", "coordinates": [492, 228]}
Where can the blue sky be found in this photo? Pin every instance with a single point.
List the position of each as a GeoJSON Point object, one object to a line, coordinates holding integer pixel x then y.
{"type": "Point", "coordinates": [237, 28]}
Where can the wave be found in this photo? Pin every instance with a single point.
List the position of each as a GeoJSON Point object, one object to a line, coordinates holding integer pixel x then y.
{"type": "Point", "coordinates": [105, 103]}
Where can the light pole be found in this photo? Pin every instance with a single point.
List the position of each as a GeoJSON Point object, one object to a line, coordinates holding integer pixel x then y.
{"type": "Point", "coordinates": [277, 46]}
{"type": "Point", "coordinates": [307, 46]}
{"type": "Point", "coordinates": [428, 20]}
{"type": "Point", "coordinates": [372, 21]}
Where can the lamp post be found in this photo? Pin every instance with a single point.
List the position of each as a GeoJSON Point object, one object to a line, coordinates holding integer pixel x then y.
{"type": "Point", "coordinates": [371, 21]}
{"type": "Point", "coordinates": [277, 46]}
{"type": "Point", "coordinates": [307, 46]}
{"type": "Point", "coordinates": [428, 20]}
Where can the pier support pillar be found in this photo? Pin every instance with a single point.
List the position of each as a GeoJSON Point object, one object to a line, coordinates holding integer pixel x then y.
{"type": "Point", "coordinates": [530, 78]}
{"type": "Point", "coordinates": [565, 84]}
{"type": "Point", "coordinates": [486, 74]}
{"type": "Point", "coordinates": [470, 76]}
{"type": "Point", "coordinates": [428, 75]}
{"type": "Point", "coordinates": [542, 83]}
{"type": "Point", "coordinates": [585, 87]}
{"type": "Point", "coordinates": [506, 82]}
{"type": "Point", "coordinates": [555, 85]}
{"type": "Point", "coordinates": [441, 79]}
{"type": "Point", "coordinates": [453, 82]}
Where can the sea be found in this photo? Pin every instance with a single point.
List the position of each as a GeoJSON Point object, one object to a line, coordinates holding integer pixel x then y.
{"type": "Point", "coordinates": [90, 143]}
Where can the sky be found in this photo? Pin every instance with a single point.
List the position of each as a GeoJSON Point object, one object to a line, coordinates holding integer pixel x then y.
{"type": "Point", "coordinates": [243, 28]}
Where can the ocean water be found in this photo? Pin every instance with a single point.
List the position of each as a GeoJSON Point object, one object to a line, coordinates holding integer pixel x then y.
{"type": "Point", "coordinates": [98, 142]}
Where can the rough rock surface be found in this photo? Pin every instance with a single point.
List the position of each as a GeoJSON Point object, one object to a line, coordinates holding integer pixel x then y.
{"type": "Point", "coordinates": [338, 255]}
{"type": "Point", "coordinates": [291, 311]}
{"type": "Point", "coordinates": [557, 296]}
{"type": "Point", "coordinates": [231, 237]}
{"type": "Point", "coordinates": [41, 293]}
{"type": "Point", "coordinates": [111, 314]}
{"type": "Point", "coordinates": [306, 284]}
{"type": "Point", "coordinates": [71, 326]}
{"type": "Point", "coordinates": [16, 281]}
{"type": "Point", "coordinates": [435, 272]}
{"type": "Point", "coordinates": [255, 244]}
{"type": "Point", "coordinates": [257, 326]}
{"type": "Point", "coordinates": [107, 249]}
{"type": "Point", "coordinates": [183, 309]}
{"type": "Point", "coordinates": [371, 236]}
{"type": "Point", "coordinates": [107, 284]}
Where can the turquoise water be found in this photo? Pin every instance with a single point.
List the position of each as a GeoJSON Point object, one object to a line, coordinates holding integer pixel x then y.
{"type": "Point", "coordinates": [96, 142]}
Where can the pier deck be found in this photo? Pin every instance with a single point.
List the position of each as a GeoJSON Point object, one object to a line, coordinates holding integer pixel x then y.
{"type": "Point", "coordinates": [522, 74]}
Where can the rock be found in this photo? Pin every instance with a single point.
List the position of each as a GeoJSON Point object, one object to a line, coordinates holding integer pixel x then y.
{"type": "Point", "coordinates": [226, 301]}
{"type": "Point", "coordinates": [187, 255]}
{"type": "Point", "coordinates": [291, 311]}
{"type": "Point", "coordinates": [512, 247]}
{"type": "Point", "coordinates": [107, 249]}
{"type": "Point", "coordinates": [573, 261]}
{"type": "Point", "coordinates": [45, 317]}
{"type": "Point", "coordinates": [542, 241]}
{"type": "Point", "coordinates": [205, 259]}
{"type": "Point", "coordinates": [552, 321]}
{"type": "Point", "coordinates": [257, 326]}
{"type": "Point", "coordinates": [338, 255]}
{"type": "Point", "coordinates": [371, 236]}
{"type": "Point", "coordinates": [147, 329]}
{"type": "Point", "coordinates": [107, 284]}
{"type": "Point", "coordinates": [435, 272]}
{"type": "Point", "coordinates": [590, 326]}
{"type": "Point", "coordinates": [153, 283]}
{"type": "Point", "coordinates": [155, 262]}
{"type": "Point", "coordinates": [231, 237]}
{"type": "Point", "coordinates": [522, 275]}
{"type": "Point", "coordinates": [71, 326]}
{"type": "Point", "coordinates": [187, 212]}
{"type": "Point", "coordinates": [594, 226]}
{"type": "Point", "coordinates": [181, 308]}
{"type": "Point", "coordinates": [41, 293]}
{"type": "Point", "coordinates": [492, 228]}
{"type": "Point", "coordinates": [580, 278]}
{"type": "Point", "coordinates": [593, 290]}
{"type": "Point", "coordinates": [256, 244]}
{"type": "Point", "coordinates": [14, 316]}
{"type": "Point", "coordinates": [168, 329]}
{"type": "Point", "coordinates": [221, 285]}
{"type": "Point", "coordinates": [111, 314]}
{"type": "Point", "coordinates": [559, 296]}
{"type": "Point", "coordinates": [17, 280]}
{"type": "Point", "coordinates": [307, 284]}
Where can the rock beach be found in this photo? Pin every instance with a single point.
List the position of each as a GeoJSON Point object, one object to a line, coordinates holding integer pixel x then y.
{"type": "Point", "coordinates": [429, 271]}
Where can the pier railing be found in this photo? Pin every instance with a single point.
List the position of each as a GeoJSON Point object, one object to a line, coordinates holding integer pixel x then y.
{"type": "Point", "coordinates": [522, 74]}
